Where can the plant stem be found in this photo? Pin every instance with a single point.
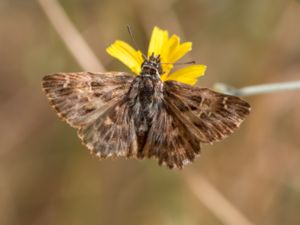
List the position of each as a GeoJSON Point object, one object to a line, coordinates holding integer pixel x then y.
{"type": "Point", "coordinates": [257, 89]}
{"type": "Point", "coordinates": [70, 36]}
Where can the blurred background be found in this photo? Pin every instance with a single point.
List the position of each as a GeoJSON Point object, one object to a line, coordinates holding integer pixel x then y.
{"type": "Point", "coordinates": [47, 177]}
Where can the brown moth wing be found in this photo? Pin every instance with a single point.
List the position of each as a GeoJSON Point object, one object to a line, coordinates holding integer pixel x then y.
{"type": "Point", "coordinates": [170, 140]}
{"type": "Point", "coordinates": [95, 104]}
{"type": "Point", "coordinates": [112, 134]}
{"type": "Point", "coordinates": [212, 116]}
{"type": "Point", "coordinates": [80, 98]}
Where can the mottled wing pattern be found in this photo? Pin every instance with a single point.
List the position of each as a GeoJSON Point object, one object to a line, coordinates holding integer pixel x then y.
{"type": "Point", "coordinates": [187, 117]}
{"type": "Point", "coordinates": [170, 140]}
{"type": "Point", "coordinates": [180, 118]}
{"type": "Point", "coordinates": [80, 98]}
{"type": "Point", "coordinates": [210, 115]}
{"type": "Point", "coordinates": [94, 104]}
{"type": "Point", "coordinates": [112, 134]}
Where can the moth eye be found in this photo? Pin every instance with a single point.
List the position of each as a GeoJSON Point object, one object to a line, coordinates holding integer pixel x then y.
{"type": "Point", "coordinates": [152, 71]}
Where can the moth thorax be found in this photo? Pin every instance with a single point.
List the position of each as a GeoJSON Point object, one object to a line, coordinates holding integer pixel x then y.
{"type": "Point", "coordinates": [152, 66]}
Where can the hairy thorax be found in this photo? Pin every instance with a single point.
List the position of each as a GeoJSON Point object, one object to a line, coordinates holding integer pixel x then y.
{"type": "Point", "coordinates": [145, 99]}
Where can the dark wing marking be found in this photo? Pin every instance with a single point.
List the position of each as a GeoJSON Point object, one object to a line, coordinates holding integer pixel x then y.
{"type": "Point", "coordinates": [169, 140]}
{"type": "Point", "coordinates": [80, 98]}
{"type": "Point", "coordinates": [210, 115]}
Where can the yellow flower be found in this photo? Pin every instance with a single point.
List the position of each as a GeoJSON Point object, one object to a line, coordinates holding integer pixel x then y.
{"type": "Point", "coordinates": [170, 50]}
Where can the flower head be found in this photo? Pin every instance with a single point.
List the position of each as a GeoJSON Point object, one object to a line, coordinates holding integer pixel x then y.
{"type": "Point", "coordinates": [170, 51]}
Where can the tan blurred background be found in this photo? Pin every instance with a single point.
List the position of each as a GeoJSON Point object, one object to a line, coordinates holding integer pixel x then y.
{"type": "Point", "coordinates": [47, 177]}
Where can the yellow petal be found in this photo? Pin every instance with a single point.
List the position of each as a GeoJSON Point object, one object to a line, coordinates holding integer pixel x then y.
{"type": "Point", "coordinates": [173, 51]}
{"type": "Point", "coordinates": [171, 45]}
{"type": "Point", "coordinates": [169, 48]}
{"type": "Point", "coordinates": [157, 42]}
{"type": "Point", "coordinates": [127, 55]}
{"type": "Point", "coordinates": [180, 51]}
{"type": "Point", "coordinates": [187, 75]}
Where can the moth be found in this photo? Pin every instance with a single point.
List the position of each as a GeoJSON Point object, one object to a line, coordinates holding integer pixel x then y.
{"type": "Point", "coordinates": [117, 114]}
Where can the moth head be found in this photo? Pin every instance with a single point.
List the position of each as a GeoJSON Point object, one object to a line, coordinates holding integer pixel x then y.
{"type": "Point", "coordinates": [152, 66]}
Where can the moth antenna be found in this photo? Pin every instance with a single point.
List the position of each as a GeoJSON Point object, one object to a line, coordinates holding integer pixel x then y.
{"type": "Point", "coordinates": [133, 39]}
{"type": "Point", "coordinates": [183, 63]}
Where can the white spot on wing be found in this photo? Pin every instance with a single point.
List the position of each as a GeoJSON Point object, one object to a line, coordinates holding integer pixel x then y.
{"type": "Point", "coordinates": [107, 121]}
{"type": "Point", "coordinates": [224, 102]}
{"type": "Point", "coordinates": [185, 162]}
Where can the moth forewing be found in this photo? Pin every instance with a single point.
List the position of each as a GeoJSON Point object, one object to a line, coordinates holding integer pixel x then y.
{"type": "Point", "coordinates": [215, 115]}
{"type": "Point", "coordinates": [80, 98]}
